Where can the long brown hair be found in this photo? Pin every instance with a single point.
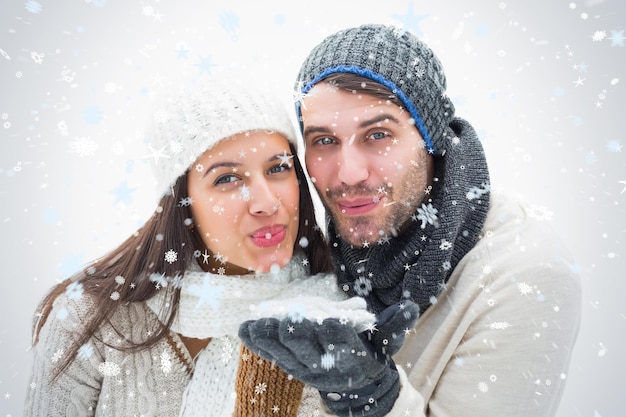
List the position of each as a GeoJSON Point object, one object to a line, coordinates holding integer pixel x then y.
{"type": "Point", "coordinates": [127, 269]}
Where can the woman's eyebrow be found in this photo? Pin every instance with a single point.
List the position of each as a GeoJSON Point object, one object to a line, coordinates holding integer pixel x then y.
{"type": "Point", "coordinates": [231, 164]}
{"type": "Point", "coordinates": [224, 164]}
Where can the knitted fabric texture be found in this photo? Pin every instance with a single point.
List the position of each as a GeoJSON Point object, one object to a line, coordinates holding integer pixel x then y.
{"type": "Point", "coordinates": [187, 122]}
{"type": "Point", "coordinates": [263, 389]}
{"type": "Point", "coordinates": [395, 59]}
{"type": "Point", "coordinates": [418, 263]}
{"type": "Point", "coordinates": [214, 305]}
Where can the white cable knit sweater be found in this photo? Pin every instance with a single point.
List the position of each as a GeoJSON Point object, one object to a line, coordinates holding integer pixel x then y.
{"type": "Point", "coordinates": [164, 380]}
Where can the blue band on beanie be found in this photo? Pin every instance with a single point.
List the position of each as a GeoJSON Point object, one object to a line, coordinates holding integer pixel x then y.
{"type": "Point", "coordinates": [367, 73]}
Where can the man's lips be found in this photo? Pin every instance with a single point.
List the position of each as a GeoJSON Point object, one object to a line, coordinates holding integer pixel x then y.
{"type": "Point", "coordinates": [269, 236]}
{"type": "Point", "coordinates": [357, 206]}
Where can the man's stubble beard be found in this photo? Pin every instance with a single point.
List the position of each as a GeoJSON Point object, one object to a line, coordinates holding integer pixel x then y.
{"type": "Point", "coordinates": [403, 200]}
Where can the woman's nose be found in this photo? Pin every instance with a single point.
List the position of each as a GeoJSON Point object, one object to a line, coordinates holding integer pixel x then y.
{"type": "Point", "coordinates": [263, 199]}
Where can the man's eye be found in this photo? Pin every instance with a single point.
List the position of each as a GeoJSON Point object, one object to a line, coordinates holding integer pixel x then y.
{"type": "Point", "coordinates": [379, 135]}
{"type": "Point", "coordinates": [325, 141]}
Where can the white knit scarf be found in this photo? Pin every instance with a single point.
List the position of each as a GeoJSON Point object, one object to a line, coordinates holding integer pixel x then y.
{"type": "Point", "coordinates": [214, 305]}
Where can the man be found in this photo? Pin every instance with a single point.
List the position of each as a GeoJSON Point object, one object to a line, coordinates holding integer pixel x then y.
{"type": "Point", "coordinates": [412, 219]}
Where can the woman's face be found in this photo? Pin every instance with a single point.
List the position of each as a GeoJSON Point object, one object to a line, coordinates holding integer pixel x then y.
{"type": "Point", "coordinates": [244, 200]}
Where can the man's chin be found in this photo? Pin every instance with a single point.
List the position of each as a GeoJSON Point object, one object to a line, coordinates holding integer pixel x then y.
{"type": "Point", "coordinates": [359, 238]}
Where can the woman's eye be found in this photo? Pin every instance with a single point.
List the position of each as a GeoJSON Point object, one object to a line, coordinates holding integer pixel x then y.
{"type": "Point", "coordinates": [279, 168]}
{"type": "Point", "coordinates": [226, 179]}
{"type": "Point", "coordinates": [378, 135]}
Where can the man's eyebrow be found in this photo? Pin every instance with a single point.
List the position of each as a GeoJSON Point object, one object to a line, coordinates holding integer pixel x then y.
{"type": "Point", "coordinates": [315, 129]}
{"type": "Point", "coordinates": [365, 123]}
{"type": "Point", "coordinates": [380, 118]}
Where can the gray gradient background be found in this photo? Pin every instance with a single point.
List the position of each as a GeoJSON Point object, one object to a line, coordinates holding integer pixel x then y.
{"type": "Point", "coordinates": [88, 70]}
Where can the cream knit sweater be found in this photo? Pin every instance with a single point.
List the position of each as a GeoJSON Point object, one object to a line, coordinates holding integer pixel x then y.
{"type": "Point", "coordinates": [164, 380]}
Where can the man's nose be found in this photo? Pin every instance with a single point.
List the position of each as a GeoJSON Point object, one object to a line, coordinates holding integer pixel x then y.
{"type": "Point", "coordinates": [353, 165]}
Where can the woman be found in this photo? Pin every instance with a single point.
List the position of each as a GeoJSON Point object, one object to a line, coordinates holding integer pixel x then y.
{"type": "Point", "coordinates": [151, 328]}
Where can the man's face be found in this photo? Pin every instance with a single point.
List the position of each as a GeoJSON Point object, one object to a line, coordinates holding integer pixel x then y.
{"type": "Point", "coordinates": [367, 161]}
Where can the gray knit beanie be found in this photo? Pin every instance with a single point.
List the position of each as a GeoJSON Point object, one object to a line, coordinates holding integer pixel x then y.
{"type": "Point", "coordinates": [192, 119]}
{"type": "Point", "coordinates": [395, 59]}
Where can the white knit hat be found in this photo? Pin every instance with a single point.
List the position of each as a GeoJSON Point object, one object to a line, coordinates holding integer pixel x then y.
{"type": "Point", "coordinates": [196, 117]}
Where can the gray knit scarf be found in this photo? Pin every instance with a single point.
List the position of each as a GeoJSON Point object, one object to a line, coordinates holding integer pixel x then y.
{"type": "Point", "coordinates": [418, 263]}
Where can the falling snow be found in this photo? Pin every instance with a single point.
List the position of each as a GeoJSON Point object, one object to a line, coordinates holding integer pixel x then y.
{"type": "Point", "coordinates": [171, 256]}
{"type": "Point", "coordinates": [83, 147]}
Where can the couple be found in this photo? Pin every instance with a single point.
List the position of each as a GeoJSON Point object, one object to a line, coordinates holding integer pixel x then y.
{"type": "Point", "coordinates": [429, 295]}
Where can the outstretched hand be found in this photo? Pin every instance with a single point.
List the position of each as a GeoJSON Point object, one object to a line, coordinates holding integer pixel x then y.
{"type": "Point", "coordinates": [333, 357]}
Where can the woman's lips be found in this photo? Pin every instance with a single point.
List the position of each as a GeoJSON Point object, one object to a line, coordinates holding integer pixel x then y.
{"type": "Point", "coordinates": [357, 206]}
{"type": "Point", "coordinates": [269, 236]}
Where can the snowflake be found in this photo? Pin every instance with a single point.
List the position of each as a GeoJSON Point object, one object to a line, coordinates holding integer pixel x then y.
{"type": "Point", "coordinates": [362, 286]}
{"type": "Point", "coordinates": [617, 38]}
{"type": "Point", "coordinates": [38, 58]}
{"type": "Point", "coordinates": [176, 281]}
{"type": "Point", "coordinates": [284, 159]}
{"type": "Point", "coordinates": [218, 209]}
{"type": "Point", "coordinates": [332, 86]}
{"type": "Point", "coordinates": [539, 213]}
{"type": "Point", "coordinates": [85, 351]}
{"type": "Point", "coordinates": [159, 279]}
{"type": "Point", "coordinates": [614, 146]}
{"type": "Point", "coordinates": [83, 147]}
{"type": "Point", "coordinates": [119, 280]}
{"type": "Point", "coordinates": [148, 10]}
{"type": "Point", "coordinates": [275, 409]}
{"type": "Point", "coordinates": [171, 256]}
{"type": "Point", "coordinates": [166, 363]}
{"type": "Point", "coordinates": [427, 214]}
{"type": "Point", "coordinates": [598, 35]}
{"type": "Point", "coordinates": [227, 350]}
{"type": "Point", "coordinates": [483, 387]}
{"type": "Point", "coordinates": [111, 88]}
{"type": "Point", "coordinates": [298, 95]}
{"type": "Point", "coordinates": [260, 388]}
{"type": "Point", "coordinates": [109, 368]}
{"type": "Point", "coordinates": [499, 325]}
{"type": "Point", "coordinates": [33, 7]}
{"type": "Point", "coordinates": [244, 192]}
{"type": "Point", "coordinates": [477, 192]}
{"type": "Point", "coordinates": [74, 291]}
{"type": "Point", "coordinates": [185, 202]}
{"type": "Point", "coordinates": [115, 295]}
{"type": "Point", "coordinates": [57, 355]}
{"type": "Point", "coordinates": [371, 327]}
{"type": "Point", "coordinates": [445, 245]}
{"type": "Point", "coordinates": [328, 361]}
{"type": "Point", "coordinates": [524, 288]}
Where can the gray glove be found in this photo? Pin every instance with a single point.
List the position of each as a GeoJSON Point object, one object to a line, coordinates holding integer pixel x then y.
{"type": "Point", "coordinates": [353, 371]}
